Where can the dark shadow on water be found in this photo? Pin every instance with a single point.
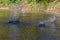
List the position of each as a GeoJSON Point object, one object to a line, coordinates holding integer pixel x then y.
{"type": "Point", "coordinates": [19, 23]}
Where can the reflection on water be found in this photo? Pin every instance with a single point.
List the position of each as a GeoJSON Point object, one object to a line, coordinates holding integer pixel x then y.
{"type": "Point", "coordinates": [13, 32]}
{"type": "Point", "coordinates": [10, 32]}
{"type": "Point", "coordinates": [46, 35]}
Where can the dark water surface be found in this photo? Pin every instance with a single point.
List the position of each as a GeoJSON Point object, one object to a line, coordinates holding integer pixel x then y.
{"type": "Point", "coordinates": [17, 32]}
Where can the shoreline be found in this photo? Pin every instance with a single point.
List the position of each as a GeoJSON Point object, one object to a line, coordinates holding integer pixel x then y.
{"type": "Point", "coordinates": [4, 8]}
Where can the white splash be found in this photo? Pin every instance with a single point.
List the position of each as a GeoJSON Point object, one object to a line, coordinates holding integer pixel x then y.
{"type": "Point", "coordinates": [51, 20]}
{"type": "Point", "coordinates": [15, 12]}
{"type": "Point", "coordinates": [23, 10]}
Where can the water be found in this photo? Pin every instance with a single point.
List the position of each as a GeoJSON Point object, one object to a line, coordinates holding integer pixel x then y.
{"type": "Point", "coordinates": [14, 32]}
{"type": "Point", "coordinates": [47, 33]}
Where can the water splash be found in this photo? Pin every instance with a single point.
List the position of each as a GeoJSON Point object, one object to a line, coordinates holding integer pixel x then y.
{"type": "Point", "coordinates": [51, 21]}
{"type": "Point", "coordinates": [14, 31]}
{"type": "Point", "coordinates": [15, 12]}
{"type": "Point", "coordinates": [23, 10]}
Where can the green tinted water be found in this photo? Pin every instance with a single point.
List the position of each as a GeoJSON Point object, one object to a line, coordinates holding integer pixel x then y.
{"type": "Point", "coordinates": [29, 32]}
